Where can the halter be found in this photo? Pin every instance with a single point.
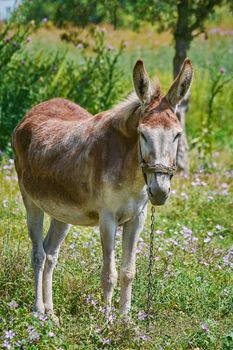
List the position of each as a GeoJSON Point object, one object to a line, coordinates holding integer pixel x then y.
{"type": "Point", "coordinates": [156, 168]}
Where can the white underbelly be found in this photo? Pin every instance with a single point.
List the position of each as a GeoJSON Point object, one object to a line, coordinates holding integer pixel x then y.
{"type": "Point", "coordinates": [122, 206]}
{"type": "Point", "coordinates": [69, 214]}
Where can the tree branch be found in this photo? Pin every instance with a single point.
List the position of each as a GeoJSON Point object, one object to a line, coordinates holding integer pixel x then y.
{"type": "Point", "coordinates": [202, 12]}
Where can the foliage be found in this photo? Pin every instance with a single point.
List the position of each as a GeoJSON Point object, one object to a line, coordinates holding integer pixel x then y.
{"type": "Point", "coordinates": [76, 12]}
{"type": "Point", "coordinates": [191, 291]}
{"type": "Point", "coordinates": [205, 141]}
{"type": "Point", "coordinates": [29, 77]}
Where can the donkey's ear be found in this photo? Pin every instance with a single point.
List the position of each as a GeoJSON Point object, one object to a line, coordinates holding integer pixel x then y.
{"type": "Point", "coordinates": [181, 84]}
{"type": "Point", "coordinates": [141, 82]}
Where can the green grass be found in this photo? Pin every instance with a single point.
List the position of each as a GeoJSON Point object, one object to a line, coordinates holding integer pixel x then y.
{"type": "Point", "coordinates": [192, 286]}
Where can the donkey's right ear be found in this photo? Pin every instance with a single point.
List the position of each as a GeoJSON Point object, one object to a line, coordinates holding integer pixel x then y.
{"type": "Point", "coordinates": [141, 82]}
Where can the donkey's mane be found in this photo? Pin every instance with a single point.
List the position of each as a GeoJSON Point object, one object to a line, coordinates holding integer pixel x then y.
{"type": "Point", "coordinates": [126, 113]}
{"type": "Point", "coordinates": [126, 107]}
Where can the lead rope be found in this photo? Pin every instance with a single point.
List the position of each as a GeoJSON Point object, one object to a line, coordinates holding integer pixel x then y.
{"type": "Point", "coordinates": [150, 268]}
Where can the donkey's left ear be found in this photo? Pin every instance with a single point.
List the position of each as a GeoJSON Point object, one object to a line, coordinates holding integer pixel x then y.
{"type": "Point", "coordinates": [181, 84]}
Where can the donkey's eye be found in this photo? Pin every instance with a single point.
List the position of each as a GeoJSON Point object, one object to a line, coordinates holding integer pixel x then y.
{"type": "Point", "coordinates": [177, 136]}
{"type": "Point", "coordinates": [143, 136]}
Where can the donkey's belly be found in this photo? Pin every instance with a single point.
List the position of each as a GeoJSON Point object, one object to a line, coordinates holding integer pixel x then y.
{"type": "Point", "coordinates": [68, 214]}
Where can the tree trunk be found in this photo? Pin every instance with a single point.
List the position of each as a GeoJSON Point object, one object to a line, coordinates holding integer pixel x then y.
{"type": "Point", "coordinates": [183, 39]}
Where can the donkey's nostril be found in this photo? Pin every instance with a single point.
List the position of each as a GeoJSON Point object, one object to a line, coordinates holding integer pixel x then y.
{"type": "Point", "coordinates": [150, 192]}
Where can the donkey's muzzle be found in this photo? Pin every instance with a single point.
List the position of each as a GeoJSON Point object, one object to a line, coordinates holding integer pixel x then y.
{"type": "Point", "coordinates": [157, 198]}
{"type": "Point", "coordinates": [158, 189]}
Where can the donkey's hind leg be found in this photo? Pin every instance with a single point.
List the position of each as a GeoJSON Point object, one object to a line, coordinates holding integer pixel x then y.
{"type": "Point", "coordinates": [35, 218]}
{"type": "Point", "coordinates": [52, 243]}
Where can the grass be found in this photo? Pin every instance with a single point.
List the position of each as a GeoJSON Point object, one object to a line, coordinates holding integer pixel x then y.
{"type": "Point", "coordinates": [192, 277]}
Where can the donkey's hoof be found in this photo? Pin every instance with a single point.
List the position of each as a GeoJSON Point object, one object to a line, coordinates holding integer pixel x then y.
{"type": "Point", "coordinates": [39, 309]}
{"type": "Point", "coordinates": [53, 317]}
{"type": "Point", "coordinates": [126, 319]}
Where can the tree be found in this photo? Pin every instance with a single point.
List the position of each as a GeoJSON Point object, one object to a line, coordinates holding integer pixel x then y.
{"type": "Point", "coordinates": [186, 20]}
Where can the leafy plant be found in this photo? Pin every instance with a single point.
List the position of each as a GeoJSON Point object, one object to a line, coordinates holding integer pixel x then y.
{"type": "Point", "coordinates": [29, 77]}
{"type": "Point", "coordinates": [205, 141]}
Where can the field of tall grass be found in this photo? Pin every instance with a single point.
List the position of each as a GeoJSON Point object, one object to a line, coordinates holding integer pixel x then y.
{"type": "Point", "coordinates": [192, 290]}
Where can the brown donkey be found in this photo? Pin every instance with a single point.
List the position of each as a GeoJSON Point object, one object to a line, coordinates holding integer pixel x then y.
{"type": "Point", "coordinates": [97, 170]}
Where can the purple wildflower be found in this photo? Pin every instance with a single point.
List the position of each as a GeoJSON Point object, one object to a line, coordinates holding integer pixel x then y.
{"type": "Point", "coordinates": [29, 40]}
{"type": "Point", "coordinates": [143, 337]}
{"type": "Point", "coordinates": [214, 165]}
{"type": "Point", "coordinates": [110, 47]}
{"type": "Point", "coordinates": [13, 305]}
{"type": "Point", "coordinates": [184, 195]}
{"type": "Point", "coordinates": [205, 327]}
{"type": "Point", "coordinates": [51, 334]}
{"type": "Point", "coordinates": [224, 193]}
{"type": "Point", "coordinates": [159, 232]}
{"type": "Point", "coordinates": [33, 335]}
{"type": "Point", "coordinates": [222, 70]}
{"type": "Point", "coordinates": [6, 344]}
{"type": "Point", "coordinates": [45, 20]}
{"type": "Point", "coordinates": [93, 302]}
{"type": "Point", "coordinates": [9, 334]}
{"type": "Point", "coordinates": [43, 317]}
{"type": "Point", "coordinates": [142, 315]}
{"type": "Point", "coordinates": [186, 232]}
{"type": "Point", "coordinates": [174, 242]}
{"type": "Point", "coordinates": [219, 227]}
{"type": "Point", "coordinates": [226, 260]}
{"type": "Point", "coordinates": [80, 46]}
{"type": "Point", "coordinates": [224, 185]}
{"type": "Point", "coordinates": [105, 341]}
{"type": "Point", "coordinates": [111, 317]}
{"type": "Point", "coordinates": [102, 309]}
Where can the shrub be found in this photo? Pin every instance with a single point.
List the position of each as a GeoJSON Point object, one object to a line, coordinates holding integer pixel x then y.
{"type": "Point", "coordinates": [28, 77]}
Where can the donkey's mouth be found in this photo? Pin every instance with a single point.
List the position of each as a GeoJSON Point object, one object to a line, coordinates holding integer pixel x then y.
{"type": "Point", "coordinates": [157, 198]}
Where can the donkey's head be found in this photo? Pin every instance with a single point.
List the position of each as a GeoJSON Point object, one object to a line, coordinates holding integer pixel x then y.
{"type": "Point", "coordinates": [159, 129]}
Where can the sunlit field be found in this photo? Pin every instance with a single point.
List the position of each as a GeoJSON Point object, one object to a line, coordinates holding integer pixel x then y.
{"type": "Point", "coordinates": [192, 275]}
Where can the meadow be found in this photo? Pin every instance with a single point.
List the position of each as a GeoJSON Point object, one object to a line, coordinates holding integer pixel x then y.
{"type": "Point", "coordinates": [192, 289]}
{"type": "Point", "coordinates": [192, 277]}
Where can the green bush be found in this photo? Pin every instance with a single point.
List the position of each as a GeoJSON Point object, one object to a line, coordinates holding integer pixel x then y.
{"type": "Point", "coordinates": [28, 77]}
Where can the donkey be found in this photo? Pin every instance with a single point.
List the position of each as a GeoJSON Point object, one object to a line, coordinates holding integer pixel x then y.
{"type": "Point", "coordinates": [101, 170]}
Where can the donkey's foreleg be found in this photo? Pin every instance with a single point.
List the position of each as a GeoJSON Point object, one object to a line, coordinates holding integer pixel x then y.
{"type": "Point", "coordinates": [131, 232]}
{"type": "Point", "coordinates": [108, 227]}
{"type": "Point", "coordinates": [52, 243]}
{"type": "Point", "coordinates": [35, 218]}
